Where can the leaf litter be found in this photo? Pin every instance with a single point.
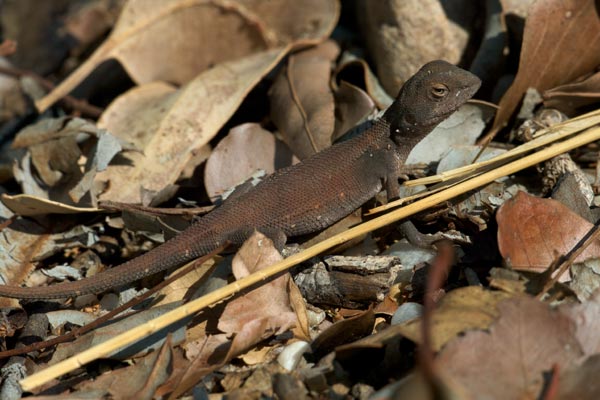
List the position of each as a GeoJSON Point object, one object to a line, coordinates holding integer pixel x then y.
{"type": "Point", "coordinates": [215, 89]}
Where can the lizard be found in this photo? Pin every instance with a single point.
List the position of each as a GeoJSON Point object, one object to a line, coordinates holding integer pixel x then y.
{"type": "Point", "coordinates": [303, 198]}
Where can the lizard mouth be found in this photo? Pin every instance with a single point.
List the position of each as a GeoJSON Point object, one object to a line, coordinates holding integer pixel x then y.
{"type": "Point", "coordinates": [438, 118]}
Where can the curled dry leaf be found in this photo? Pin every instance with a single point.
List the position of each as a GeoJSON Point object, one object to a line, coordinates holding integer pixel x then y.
{"type": "Point", "coordinates": [176, 332]}
{"type": "Point", "coordinates": [575, 382]}
{"type": "Point", "coordinates": [533, 232]}
{"type": "Point", "coordinates": [571, 96]}
{"type": "Point", "coordinates": [270, 302]}
{"type": "Point", "coordinates": [301, 100]}
{"type": "Point", "coordinates": [344, 332]}
{"type": "Point", "coordinates": [246, 149]}
{"type": "Point", "coordinates": [250, 318]}
{"type": "Point", "coordinates": [587, 323]}
{"type": "Point", "coordinates": [28, 206]}
{"type": "Point", "coordinates": [510, 360]}
{"type": "Point", "coordinates": [458, 311]}
{"type": "Point", "coordinates": [555, 30]}
{"type": "Point", "coordinates": [347, 70]}
{"type": "Point", "coordinates": [139, 380]}
{"type": "Point", "coordinates": [176, 122]}
{"type": "Point", "coordinates": [352, 105]}
{"type": "Point", "coordinates": [174, 40]}
{"type": "Point", "coordinates": [56, 147]}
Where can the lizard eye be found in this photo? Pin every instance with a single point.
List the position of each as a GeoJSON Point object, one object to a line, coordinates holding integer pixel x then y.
{"type": "Point", "coordinates": [439, 90]}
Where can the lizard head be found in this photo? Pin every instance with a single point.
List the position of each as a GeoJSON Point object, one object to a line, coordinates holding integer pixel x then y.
{"type": "Point", "coordinates": [427, 98]}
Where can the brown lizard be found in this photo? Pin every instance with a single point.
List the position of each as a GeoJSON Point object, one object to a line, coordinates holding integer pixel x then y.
{"type": "Point", "coordinates": [306, 197]}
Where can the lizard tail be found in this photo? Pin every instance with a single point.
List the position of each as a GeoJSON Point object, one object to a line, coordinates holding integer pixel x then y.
{"type": "Point", "coordinates": [192, 243]}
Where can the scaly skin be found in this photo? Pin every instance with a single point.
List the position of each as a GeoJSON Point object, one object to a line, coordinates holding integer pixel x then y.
{"type": "Point", "coordinates": [306, 197]}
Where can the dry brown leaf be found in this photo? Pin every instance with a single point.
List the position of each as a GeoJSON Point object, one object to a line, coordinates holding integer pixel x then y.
{"type": "Point", "coordinates": [301, 100]}
{"type": "Point", "coordinates": [578, 383]}
{"type": "Point", "coordinates": [153, 342]}
{"type": "Point", "coordinates": [571, 96]}
{"type": "Point", "coordinates": [137, 381]}
{"type": "Point", "coordinates": [344, 332]}
{"type": "Point", "coordinates": [28, 206]}
{"type": "Point", "coordinates": [246, 149]}
{"type": "Point", "coordinates": [179, 123]}
{"type": "Point", "coordinates": [135, 116]}
{"type": "Point", "coordinates": [533, 232]}
{"type": "Point", "coordinates": [250, 318]}
{"type": "Point", "coordinates": [561, 42]}
{"type": "Point", "coordinates": [587, 323]}
{"type": "Point", "coordinates": [177, 289]}
{"type": "Point", "coordinates": [509, 361]}
{"type": "Point", "coordinates": [267, 307]}
{"type": "Point", "coordinates": [207, 354]}
{"type": "Point", "coordinates": [57, 148]}
{"type": "Point", "coordinates": [174, 40]}
{"type": "Point", "coordinates": [352, 105]}
{"type": "Point", "coordinates": [575, 381]}
{"type": "Point", "coordinates": [458, 311]}
{"type": "Point", "coordinates": [350, 67]}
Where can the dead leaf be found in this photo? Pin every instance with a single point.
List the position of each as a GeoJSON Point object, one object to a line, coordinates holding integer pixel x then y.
{"type": "Point", "coordinates": [344, 332]}
{"type": "Point", "coordinates": [571, 96]}
{"type": "Point", "coordinates": [147, 103]}
{"type": "Point", "coordinates": [175, 40]}
{"type": "Point", "coordinates": [458, 311]}
{"type": "Point", "coordinates": [586, 321]}
{"type": "Point", "coordinates": [57, 147]}
{"type": "Point", "coordinates": [177, 289]}
{"type": "Point", "coordinates": [352, 106]}
{"type": "Point", "coordinates": [137, 381]}
{"type": "Point", "coordinates": [175, 333]}
{"type": "Point", "coordinates": [208, 354]}
{"type": "Point", "coordinates": [178, 123]}
{"type": "Point", "coordinates": [508, 361]}
{"type": "Point", "coordinates": [250, 318]}
{"type": "Point", "coordinates": [29, 206]}
{"type": "Point", "coordinates": [246, 149]}
{"type": "Point", "coordinates": [580, 382]}
{"type": "Point", "coordinates": [533, 232]}
{"type": "Point", "coordinates": [270, 302]}
{"type": "Point", "coordinates": [301, 100]}
{"type": "Point", "coordinates": [347, 69]}
{"type": "Point", "coordinates": [555, 31]}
